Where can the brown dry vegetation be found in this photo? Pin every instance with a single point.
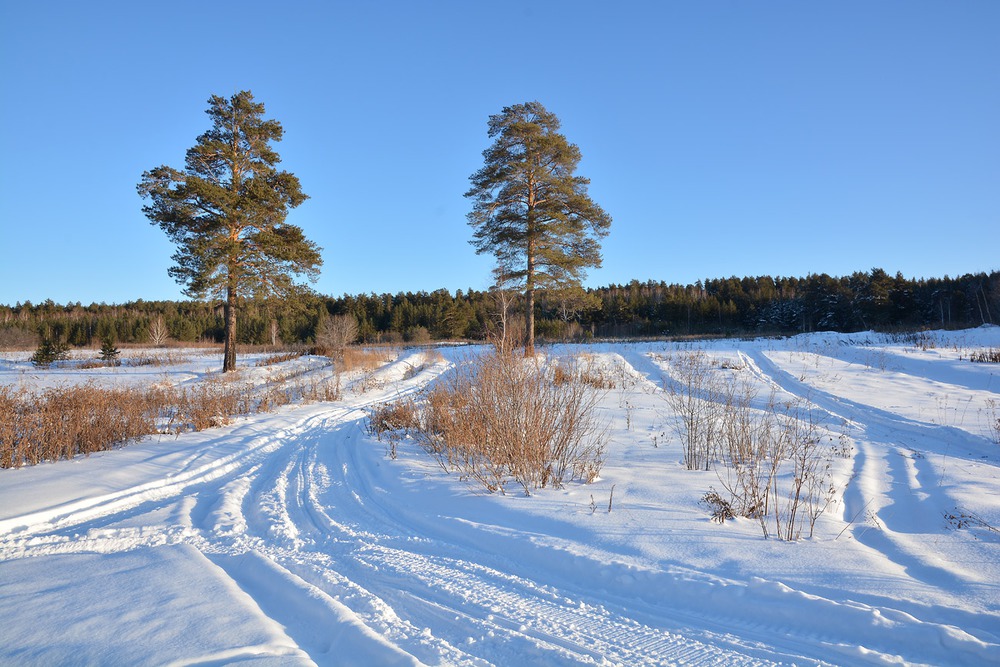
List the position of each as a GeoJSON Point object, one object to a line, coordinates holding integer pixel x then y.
{"type": "Point", "coordinates": [67, 421]}
{"type": "Point", "coordinates": [501, 418]}
{"type": "Point", "coordinates": [986, 356]}
{"type": "Point", "coordinates": [773, 460]}
{"type": "Point", "coordinates": [365, 359]}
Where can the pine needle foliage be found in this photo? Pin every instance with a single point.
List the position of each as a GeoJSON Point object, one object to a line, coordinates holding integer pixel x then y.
{"type": "Point", "coordinates": [530, 210]}
{"type": "Point", "coordinates": [50, 350]}
{"type": "Point", "coordinates": [109, 352]}
{"type": "Point", "coordinates": [225, 212]}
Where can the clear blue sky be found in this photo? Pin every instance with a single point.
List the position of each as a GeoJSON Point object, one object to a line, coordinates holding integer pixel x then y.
{"type": "Point", "coordinates": [724, 138]}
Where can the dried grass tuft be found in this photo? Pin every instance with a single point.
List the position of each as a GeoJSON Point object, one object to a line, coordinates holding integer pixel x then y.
{"type": "Point", "coordinates": [501, 419]}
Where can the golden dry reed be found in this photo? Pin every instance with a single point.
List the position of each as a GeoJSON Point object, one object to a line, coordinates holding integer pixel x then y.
{"type": "Point", "coordinates": [64, 422]}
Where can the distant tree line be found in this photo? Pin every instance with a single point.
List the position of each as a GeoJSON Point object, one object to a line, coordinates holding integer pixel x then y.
{"type": "Point", "coordinates": [731, 306]}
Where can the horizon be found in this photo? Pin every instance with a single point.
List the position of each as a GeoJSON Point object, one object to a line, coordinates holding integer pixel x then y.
{"type": "Point", "coordinates": [723, 140]}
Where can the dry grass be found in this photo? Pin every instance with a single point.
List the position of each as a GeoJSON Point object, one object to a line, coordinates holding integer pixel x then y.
{"type": "Point", "coordinates": [278, 358]}
{"type": "Point", "coordinates": [89, 364]}
{"type": "Point", "coordinates": [147, 357]}
{"type": "Point", "coordinates": [61, 423]}
{"type": "Point", "coordinates": [501, 419]}
{"type": "Point", "coordinates": [583, 370]}
{"type": "Point", "coordinates": [393, 421]}
{"type": "Point", "coordinates": [64, 422]}
{"type": "Point", "coordinates": [365, 359]}
{"type": "Point", "coordinates": [988, 356]}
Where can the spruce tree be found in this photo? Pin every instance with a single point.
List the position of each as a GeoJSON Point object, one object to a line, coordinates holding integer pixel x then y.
{"type": "Point", "coordinates": [109, 353]}
{"type": "Point", "coordinates": [530, 211]}
{"type": "Point", "coordinates": [226, 211]}
{"type": "Point", "coordinates": [49, 351]}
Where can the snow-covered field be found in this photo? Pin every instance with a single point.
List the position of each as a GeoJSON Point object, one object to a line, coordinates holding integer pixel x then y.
{"type": "Point", "coordinates": [292, 538]}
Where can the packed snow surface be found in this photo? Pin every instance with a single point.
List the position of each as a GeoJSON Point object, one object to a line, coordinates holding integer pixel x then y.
{"type": "Point", "coordinates": [294, 538]}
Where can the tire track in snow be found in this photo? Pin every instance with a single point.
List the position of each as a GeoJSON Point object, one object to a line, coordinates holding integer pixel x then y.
{"type": "Point", "coordinates": [299, 525]}
{"type": "Point", "coordinates": [912, 473]}
{"type": "Point", "coordinates": [887, 484]}
{"type": "Point", "coordinates": [280, 518]}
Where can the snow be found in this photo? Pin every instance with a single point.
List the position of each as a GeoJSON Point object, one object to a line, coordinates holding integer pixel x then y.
{"type": "Point", "coordinates": [293, 538]}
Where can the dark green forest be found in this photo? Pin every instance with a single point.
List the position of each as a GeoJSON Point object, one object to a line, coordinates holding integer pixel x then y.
{"type": "Point", "coordinates": [726, 306]}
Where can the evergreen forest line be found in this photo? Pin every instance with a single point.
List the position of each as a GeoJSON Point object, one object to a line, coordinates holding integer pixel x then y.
{"type": "Point", "coordinates": [729, 306]}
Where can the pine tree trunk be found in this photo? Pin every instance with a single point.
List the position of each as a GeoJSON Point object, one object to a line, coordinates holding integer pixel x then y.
{"type": "Point", "coordinates": [529, 343]}
{"type": "Point", "coordinates": [529, 298]}
{"type": "Point", "coordinates": [229, 360]}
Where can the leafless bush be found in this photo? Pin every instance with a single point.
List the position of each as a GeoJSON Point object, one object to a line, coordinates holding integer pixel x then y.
{"type": "Point", "coordinates": [148, 358]}
{"type": "Point", "coordinates": [694, 395]}
{"type": "Point", "coordinates": [500, 418]}
{"type": "Point", "coordinates": [213, 403]}
{"type": "Point", "coordinates": [366, 361]}
{"type": "Point", "coordinates": [16, 338]}
{"type": "Point", "coordinates": [990, 356]}
{"type": "Point", "coordinates": [922, 340]}
{"type": "Point", "coordinates": [335, 334]}
{"type": "Point", "coordinates": [88, 364]}
{"type": "Point", "coordinates": [993, 419]}
{"type": "Point", "coordinates": [720, 508]}
{"type": "Point", "coordinates": [158, 333]}
{"type": "Point", "coordinates": [418, 335]}
{"type": "Point", "coordinates": [393, 420]}
{"type": "Point", "coordinates": [583, 370]}
{"type": "Point", "coordinates": [278, 358]}
{"type": "Point", "coordinates": [402, 415]}
{"type": "Point", "coordinates": [776, 467]}
{"type": "Point", "coordinates": [772, 461]}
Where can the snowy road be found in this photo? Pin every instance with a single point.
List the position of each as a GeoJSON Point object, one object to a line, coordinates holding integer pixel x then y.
{"type": "Point", "coordinates": [291, 538]}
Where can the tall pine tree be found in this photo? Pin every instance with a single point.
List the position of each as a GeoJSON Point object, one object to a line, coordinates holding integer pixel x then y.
{"type": "Point", "coordinates": [530, 211]}
{"type": "Point", "coordinates": [226, 213]}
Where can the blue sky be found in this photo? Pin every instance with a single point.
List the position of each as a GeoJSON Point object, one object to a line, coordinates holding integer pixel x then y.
{"type": "Point", "coordinates": [724, 138]}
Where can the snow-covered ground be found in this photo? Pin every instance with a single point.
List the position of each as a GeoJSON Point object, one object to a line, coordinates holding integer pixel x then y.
{"type": "Point", "coordinates": [292, 538]}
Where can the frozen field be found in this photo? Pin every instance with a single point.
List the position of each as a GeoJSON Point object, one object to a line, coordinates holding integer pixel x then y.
{"type": "Point", "coordinates": [292, 538]}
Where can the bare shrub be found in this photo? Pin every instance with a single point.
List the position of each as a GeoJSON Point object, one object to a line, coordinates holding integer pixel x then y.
{"type": "Point", "coordinates": [990, 356]}
{"type": "Point", "coordinates": [320, 389]}
{"type": "Point", "coordinates": [694, 395]}
{"type": "Point", "coordinates": [335, 334]}
{"type": "Point", "coordinates": [418, 335]}
{"type": "Point", "coordinates": [212, 403]}
{"type": "Point", "coordinates": [775, 466]}
{"type": "Point", "coordinates": [148, 358]}
{"type": "Point", "coordinates": [993, 419]}
{"type": "Point", "coordinates": [433, 356]}
{"type": "Point", "coordinates": [499, 419]}
{"type": "Point", "coordinates": [278, 358]}
{"type": "Point", "coordinates": [158, 333]}
{"type": "Point", "coordinates": [17, 338]}
{"type": "Point", "coordinates": [720, 508]}
{"type": "Point", "coordinates": [771, 461]}
{"type": "Point", "coordinates": [583, 370]}
{"type": "Point", "coordinates": [400, 415]}
{"type": "Point", "coordinates": [393, 421]}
